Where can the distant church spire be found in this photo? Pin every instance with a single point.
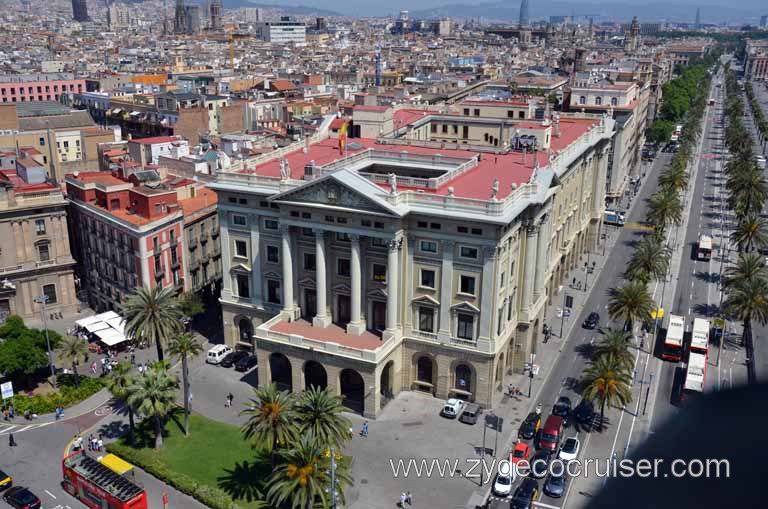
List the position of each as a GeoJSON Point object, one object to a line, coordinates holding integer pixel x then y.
{"type": "Point", "coordinates": [524, 17]}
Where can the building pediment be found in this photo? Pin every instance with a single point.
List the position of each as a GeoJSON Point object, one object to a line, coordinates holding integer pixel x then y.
{"type": "Point", "coordinates": [343, 189]}
{"type": "Point", "coordinates": [273, 275]}
{"type": "Point", "coordinates": [465, 307]}
{"type": "Point", "coordinates": [377, 293]}
{"type": "Point", "coordinates": [240, 267]}
{"type": "Point", "coordinates": [342, 288]}
{"type": "Point", "coordinates": [307, 282]}
{"type": "Point", "coordinates": [426, 300]}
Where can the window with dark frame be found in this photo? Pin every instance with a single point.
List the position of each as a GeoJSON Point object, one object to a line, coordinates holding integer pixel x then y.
{"type": "Point", "coordinates": [467, 285]}
{"type": "Point", "coordinates": [343, 267]}
{"type": "Point", "coordinates": [273, 254]}
{"type": "Point", "coordinates": [241, 248]}
{"type": "Point", "coordinates": [426, 319]}
{"type": "Point", "coordinates": [243, 286]}
{"type": "Point", "coordinates": [427, 278]}
{"type": "Point", "coordinates": [465, 328]}
{"type": "Point", "coordinates": [274, 295]}
{"type": "Point", "coordinates": [379, 272]}
{"type": "Point", "coordinates": [50, 292]}
{"type": "Point", "coordinates": [310, 262]}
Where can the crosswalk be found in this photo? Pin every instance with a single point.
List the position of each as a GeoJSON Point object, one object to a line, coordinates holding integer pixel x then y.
{"type": "Point", "coordinates": [20, 428]}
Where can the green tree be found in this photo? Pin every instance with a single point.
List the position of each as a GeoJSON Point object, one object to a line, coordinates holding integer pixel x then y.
{"type": "Point", "coordinates": [751, 232]}
{"type": "Point", "coordinates": [118, 383]}
{"type": "Point", "coordinates": [649, 261]}
{"type": "Point", "coordinates": [675, 177]}
{"type": "Point", "coordinates": [748, 266]}
{"type": "Point", "coordinates": [665, 208]}
{"type": "Point", "coordinates": [72, 351]}
{"type": "Point", "coordinates": [271, 419]}
{"type": "Point", "coordinates": [153, 395]}
{"type": "Point", "coordinates": [660, 131]}
{"type": "Point", "coordinates": [630, 303]}
{"type": "Point", "coordinates": [747, 301]}
{"type": "Point", "coordinates": [319, 416]}
{"type": "Point", "coordinates": [21, 358]}
{"type": "Point", "coordinates": [152, 315]}
{"type": "Point", "coordinates": [606, 382]}
{"type": "Point", "coordinates": [185, 346]}
{"type": "Point", "coordinates": [615, 345]}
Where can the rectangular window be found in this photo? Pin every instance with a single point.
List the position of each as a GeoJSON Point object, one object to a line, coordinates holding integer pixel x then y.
{"type": "Point", "coordinates": [426, 319]}
{"type": "Point", "coordinates": [40, 226]}
{"type": "Point", "coordinates": [510, 114]}
{"type": "Point", "coordinates": [445, 128]}
{"type": "Point", "coordinates": [477, 231]}
{"type": "Point", "coordinates": [294, 213]}
{"type": "Point", "coordinates": [379, 272]}
{"type": "Point", "coordinates": [241, 248]}
{"type": "Point", "coordinates": [50, 292]}
{"type": "Point", "coordinates": [365, 222]}
{"type": "Point", "coordinates": [477, 112]}
{"type": "Point", "coordinates": [232, 199]}
{"type": "Point", "coordinates": [468, 252]}
{"type": "Point", "coordinates": [43, 252]}
{"type": "Point", "coordinates": [428, 246]}
{"type": "Point", "coordinates": [273, 254]}
{"type": "Point", "coordinates": [433, 128]}
{"type": "Point", "coordinates": [306, 215]}
{"type": "Point", "coordinates": [466, 326]}
{"type": "Point", "coordinates": [462, 229]}
{"type": "Point", "coordinates": [242, 201]}
{"type": "Point", "coordinates": [500, 324]}
{"type": "Point", "coordinates": [341, 220]}
{"type": "Point", "coordinates": [378, 225]}
{"type": "Point", "coordinates": [465, 132]}
{"type": "Point", "coordinates": [310, 262]}
{"type": "Point", "coordinates": [42, 141]}
{"type": "Point", "coordinates": [466, 111]}
{"type": "Point", "coordinates": [264, 204]}
{"type": "Point", "coordinates": [271, 224]}
{"type": "Point", "coordinates": [239, 220]}
{"type": "Point", "coordinates": [427, 278]}
{"type": "Point", "coordinates": [467, 285]}
{"type": "Point", "coordinates": [342, 237]}
{"type": "Point", "coordinates": [509, 309]}
{"type": "Point", "coordinates": [273, 291]}
{"type": "Point", "coordinates": [378, 242]}
{"type": "Point", "coordinates": [435, 226]}
{"type": "Point", "coordinates": [243, 286]}
{"type": "Point", "coordinates": [421, 224]}
{"type": "Point", "coordinates": [330, 219]}
{"type": "Point", "coordinates": [342, 267]}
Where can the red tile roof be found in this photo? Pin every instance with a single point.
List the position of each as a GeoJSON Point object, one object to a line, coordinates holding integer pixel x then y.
{"type": "Point", "coordinates": [330, 334]}
{"type": "Point", "coordinates": [204, 198]}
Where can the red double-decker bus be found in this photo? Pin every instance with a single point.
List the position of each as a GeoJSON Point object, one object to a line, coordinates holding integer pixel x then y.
{"type": "Point", "coordinates": [98, 486]}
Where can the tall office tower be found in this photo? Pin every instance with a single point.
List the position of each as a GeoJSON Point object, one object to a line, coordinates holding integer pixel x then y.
{"type": "Point", "coordinates": [216, 25]}
{"type": "Point", "coordinates": [79, 10]}
{"type": "Point", "coordinates": [180, 18]}
{"type": "Point", "coordinates": [524, 16]}
{"type": "Point", "coordinates": [764, 21]}
{"type": "Point", "coordinates": [698, 17]}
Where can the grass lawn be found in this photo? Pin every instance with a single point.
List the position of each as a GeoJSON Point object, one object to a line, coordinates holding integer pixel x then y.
{"type": "Point", "coordinates": [215, 454]}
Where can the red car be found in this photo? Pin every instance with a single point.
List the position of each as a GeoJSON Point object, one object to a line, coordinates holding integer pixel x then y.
{"type": "Point", "coordinates": [522, 451]}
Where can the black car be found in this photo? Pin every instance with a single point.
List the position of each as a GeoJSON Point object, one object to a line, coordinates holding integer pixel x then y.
{"type": "Point", "coordinates": [530, 426]}
{"type": "Point", "coordinates": [563, 409]}
{"type": "Point", "coordinates": [245, 363]}
{"type": "Point", "coordinates": [21, 498]}
{"type": "Point", "coordinates": [540, 462]}
{"type": "Point", "coordinates": [554, 486]}
{"type": "Point", "coordinates": [232, 358]}
{"type": "Point", "coordinates": [584, 411]}
{"type": "Point", "coordinates": [525, 494]}
{"type": "Point", "coordinates": [592, 320]}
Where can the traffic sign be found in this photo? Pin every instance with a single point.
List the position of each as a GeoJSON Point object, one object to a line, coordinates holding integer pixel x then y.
{"type": "Point", "coordinates": [7, 390]}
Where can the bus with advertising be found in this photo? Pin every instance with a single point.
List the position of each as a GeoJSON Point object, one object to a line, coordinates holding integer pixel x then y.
{"type": "Point", "coordinates": [98, 486]}
{"type": "Point", "coordinates": [673, 340]}
{"type": "Point", "coordinates": [700, 336]}
{"type": "Point", "coordinates": [704, 248]}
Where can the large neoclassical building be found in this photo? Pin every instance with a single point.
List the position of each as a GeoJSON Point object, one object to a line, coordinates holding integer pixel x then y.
{"type": "Point", "coordinates": [422, 259]}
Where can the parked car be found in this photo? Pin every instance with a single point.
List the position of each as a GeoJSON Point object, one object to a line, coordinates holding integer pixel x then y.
{"type": "Point", "coordinates": [563, 409]}
{"type": "Point", "coordinates": [6, 481]}
{"type": "Point", "coordinates": [452, 408]}
{"type": "Point", "coordinates": [502, 486]}
{"type": "Point", "coordinates": [554, 486]}
{"type": "Point", "coordinates": [522, 451]}
{"type": "Point", "coordinates": [551, 433]}
{"type": "Point", "coordinates": [525, 494]}
{"type": "Point", "coordinates": [232, 358]}
{"type": "Point", "coordinates": [246, 363]}
{"type": "Point", "coordinates": [584, 411]}
{"type": "Point", "coordinates": [592, 321]}
{"type": "Point", "coordinates": [21, 498]}
{"type": "Point", "coordinates": [570, 449]}
{"type": "Point", "coordinates": [530, 426]}
{"type": "Point", "coordinates": [540, 462]}
{"type": "Point", "coordinates": [216, 354]}
{"type": "Point", "coordinates": [471, 413]}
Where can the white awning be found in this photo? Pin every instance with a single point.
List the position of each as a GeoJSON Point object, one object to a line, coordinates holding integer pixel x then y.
{"type": "Point", "coordinates": [109, 315]}
{"type": "Point", "coordinates": [94, 327]}
{"type": "Point", "coordinates": [110, 336]}
{"type": "Point", "coordinates": [87, 321]}
{"type": "Point", "coordinates": [118, 324]}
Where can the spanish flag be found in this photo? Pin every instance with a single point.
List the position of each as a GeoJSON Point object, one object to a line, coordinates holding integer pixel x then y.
{"type": "Point", "coordinates": [342, 137]}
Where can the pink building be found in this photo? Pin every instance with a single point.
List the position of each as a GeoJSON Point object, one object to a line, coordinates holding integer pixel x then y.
{"type": "Point", "coordinates": [38, 87]}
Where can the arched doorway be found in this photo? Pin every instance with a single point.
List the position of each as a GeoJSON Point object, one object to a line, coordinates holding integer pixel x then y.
{"type": "Point", "coordinates": [245, 328]}
{"type": "Point", "coordinates": [282, 376]}
{"type": "Point", "coordinates": [315, 375]}
{"type": "Point", "coordinates": [352, 390]}
{"type": "Point", "coordinates": [425, 374]}
{"type": "Point", "coordinates": [463, 382]}
{"type": "Point", "coordinates": [385, 383]}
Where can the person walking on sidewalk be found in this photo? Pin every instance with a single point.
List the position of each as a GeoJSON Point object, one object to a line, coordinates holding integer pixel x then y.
{"type": "Point", "coordinates": [11, 440]}
{"type": "Point", "coordinates": [409, 498]}
{"type": "Point", "coordinates": [364, 430]}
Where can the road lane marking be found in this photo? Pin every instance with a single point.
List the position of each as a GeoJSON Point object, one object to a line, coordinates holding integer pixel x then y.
{"type": "Point", "coordinates": [51, 494]}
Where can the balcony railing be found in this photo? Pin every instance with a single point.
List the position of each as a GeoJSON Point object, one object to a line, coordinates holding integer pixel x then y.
{"type": "Point", "coordinates": [157, 249]}
{"type": "Point", "coordinates": [192, 244]}
{"type": "Point", "coordinates": [159, 274]}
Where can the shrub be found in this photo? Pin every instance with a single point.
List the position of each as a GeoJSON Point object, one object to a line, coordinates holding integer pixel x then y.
{"type": "Point", "coordinates": [66, 396]}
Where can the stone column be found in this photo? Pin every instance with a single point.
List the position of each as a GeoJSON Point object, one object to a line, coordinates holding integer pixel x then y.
{"type": "Point", "coordinates": [446, 288]}
{"type": "Point", "coordinates": [257, 287]}
{"type": "Point", "coordinates": [530, 265]}
{"type": "Point", "coordinates": [322, 318]}
{"type": "Point", "coordinates": [226, 258]}
{"type": "Point", "coordinates": [393, 274]}
{"type": "Point", "coordinates": [541, 257]}
{"type": "Point", "coordinates": [488, 290]}
{"type": "Point", "coordinates": [287, 259]}
{"type": "Point", "coordinates": [356, 325]}
{"type": "Point", "coordinates": [408, 273]}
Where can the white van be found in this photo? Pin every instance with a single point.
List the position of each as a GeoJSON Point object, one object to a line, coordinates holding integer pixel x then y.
{"type": "Point", "coordinates": [217, 353]}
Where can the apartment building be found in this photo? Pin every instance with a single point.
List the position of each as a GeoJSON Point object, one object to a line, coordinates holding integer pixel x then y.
{"type": "Point", "coordinates": [285, 31]}
{"type": "Point", "coordinates": [377, 266]}
{"type": "Point", "coordinates": [756, 60]}
{"type": "Point", "coordinates": [202, 248]}
{"type": "Point", "coordinates": [38, 87]}
{"type": "Point", "coordinates": [35, 255]}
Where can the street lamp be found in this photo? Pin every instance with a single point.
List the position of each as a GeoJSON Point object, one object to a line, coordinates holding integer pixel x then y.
{"type": "Point", "coordinates": [530, 377]}
{"type": "Point", "coordinates": [43, 299]}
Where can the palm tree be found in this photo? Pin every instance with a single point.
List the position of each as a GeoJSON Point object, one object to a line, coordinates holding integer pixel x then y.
{"type": "Point", "coordinates": [631, 303]}
{"type": "Point", "coordinates": [153, 394]}
{"type": "Point", "coordinates": [747, 300]}
{"type": "Point", "coordinates": [747, 189]}
{"type": "Point", "coordinates": [271, 419]}
{"type": "Point", "coordinates": [71, 351]}
{"type": "Point", "coordinates": [607, 382]}
{"type": "Point", "coordinates": [750, 233]}
{"type": "Point", "coordinates": [748, 266]}
{"type": "Point", "coordinates": [665, 208]}
{"type": "Point", "coordinates": [676, 177]}
{"type": "Point", "coordinates": [649, 261]}
{"type": "Point", "coordinates": [185, 345]}
{"type": "Point", "coordinates": [301, 481]}
{"type": "Point", "coordinates": [118, 381]}
{"type": "Point", "coordinates": [152, 315]}
{"type": "Point", "coordinates": [614, 345]}
{"type": "Point", "coordinates": [319, 415]}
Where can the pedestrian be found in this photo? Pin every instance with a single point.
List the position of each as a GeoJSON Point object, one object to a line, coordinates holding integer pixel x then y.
{"type": "Point", "coordinates": [11, 440]}
{"type": "Point", "coordinates": [409, 498]}
{"type": "Point", "coordinates": [403, 498]}
{"type": "Point", "coordinates": [11, 411]}
{"type": "Point", "coordinates": [133, 359]}
{"type": "Point", "coordinates": [364, 431]}
{"type": "Point", "coordinates": [230, 397]}
{"type": "Point", "coordinates": [100, 445]}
